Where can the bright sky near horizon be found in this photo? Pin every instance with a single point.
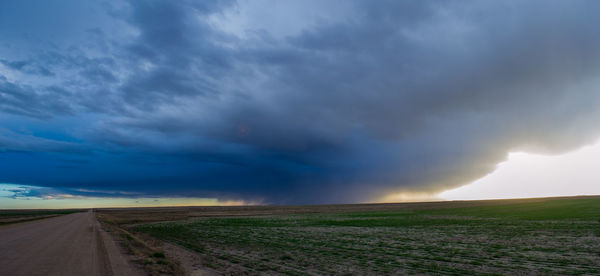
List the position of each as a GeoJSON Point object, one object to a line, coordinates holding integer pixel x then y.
{"type": "Point", "coordinates": [534, 175]}
{"type": "Point", "coordinates": [17, 197]}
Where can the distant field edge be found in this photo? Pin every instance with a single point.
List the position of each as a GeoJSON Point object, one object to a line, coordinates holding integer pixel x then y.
{"type": "Point", "coordinates": [14, 216]}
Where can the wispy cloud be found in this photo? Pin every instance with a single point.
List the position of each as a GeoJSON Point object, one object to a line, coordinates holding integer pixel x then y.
{"type": "Point", "coordinates": [22, 196]}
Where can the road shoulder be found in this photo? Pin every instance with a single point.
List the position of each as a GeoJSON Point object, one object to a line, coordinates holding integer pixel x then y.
{"type": "Point", "coordinates": [118, 261]}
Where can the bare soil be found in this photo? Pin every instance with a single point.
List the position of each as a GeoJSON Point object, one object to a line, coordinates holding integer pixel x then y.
{"type": "Point", "coordinates": [72, 244]}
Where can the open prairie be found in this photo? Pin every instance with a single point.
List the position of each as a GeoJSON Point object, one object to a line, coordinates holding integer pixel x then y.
{"type": "Point", "coordinates": [530, 236]}
{"type": "Point", "coordinates": [16, 216]}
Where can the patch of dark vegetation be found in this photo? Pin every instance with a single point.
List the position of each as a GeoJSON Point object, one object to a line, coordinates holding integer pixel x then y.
{"type": "Point", "coordinates": [158, 255]}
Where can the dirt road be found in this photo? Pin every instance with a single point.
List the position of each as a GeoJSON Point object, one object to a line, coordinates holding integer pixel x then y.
{"type": "Point", "coordinates": [66, 245]}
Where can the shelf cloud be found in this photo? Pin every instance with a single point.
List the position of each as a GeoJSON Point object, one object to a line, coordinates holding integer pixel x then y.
{"type": "Point", "coordinates": [305, 102]}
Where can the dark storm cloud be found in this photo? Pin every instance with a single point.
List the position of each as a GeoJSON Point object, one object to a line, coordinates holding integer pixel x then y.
{"type": "Point", "coordinates": [15, 142]}
{"type": "Point", "coordinates": [26, 67]}
{"type": "Point", "coordinates": [178, 46]}
{"type": "Point", "coordinates": [25, 100]}
{"type": "Point", "coordinates": [392, 96]}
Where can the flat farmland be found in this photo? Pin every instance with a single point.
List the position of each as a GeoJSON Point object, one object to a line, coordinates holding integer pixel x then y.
{"type": "Point", "coordinates": [533, 236]}
{"type": "Point", "coordinates": [17, 216]}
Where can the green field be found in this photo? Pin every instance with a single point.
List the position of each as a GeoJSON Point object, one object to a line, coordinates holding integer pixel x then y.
{"type": "Point", "coordinates": [558, 236]}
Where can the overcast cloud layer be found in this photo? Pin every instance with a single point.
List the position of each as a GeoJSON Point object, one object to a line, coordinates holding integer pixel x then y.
{"type": "Point", "coordinates": [289, 102]}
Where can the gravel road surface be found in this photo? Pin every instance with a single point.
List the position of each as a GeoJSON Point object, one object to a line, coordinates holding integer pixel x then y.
{"type": "Point", "coordinates": [72, 244]}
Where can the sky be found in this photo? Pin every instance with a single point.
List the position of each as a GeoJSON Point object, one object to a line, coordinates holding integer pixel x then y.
{"type": "Point", "coordinates": [525, 175]}
{"type": "Point", "coordinates": [291, 102]}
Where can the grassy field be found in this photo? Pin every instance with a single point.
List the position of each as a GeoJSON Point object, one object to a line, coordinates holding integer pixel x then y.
{"type": "Point", "coordinates": [539, 236]}
{"type": "Point", "coordinates": [16, 216]}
